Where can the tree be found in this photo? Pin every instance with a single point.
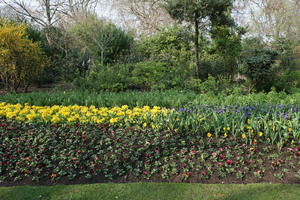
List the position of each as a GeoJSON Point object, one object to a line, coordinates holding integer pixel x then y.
{"type": "Point", "coordinates": [204, 15]}
{"type": "Point", "coordinates": [20, 58]}
{"type": "Point", "coordinates": [273, 19]}
{"type": "Point", "coordinates": [48, 13]}
{"type": "Point", "coordinates": [258, 61]}
{"type": "Point", "coordinates": [105, 42]}
{"type": "Point", "coordinates": [143, 16]}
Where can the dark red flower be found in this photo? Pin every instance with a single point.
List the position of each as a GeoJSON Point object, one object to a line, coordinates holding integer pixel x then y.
{"type": "Point", "coordinates": [148, 155]}
{"type": "Point", "coordinates": [27, 171]}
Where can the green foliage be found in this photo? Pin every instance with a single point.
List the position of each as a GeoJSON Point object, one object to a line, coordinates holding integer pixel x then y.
{"type": "Point", "coordinates": [209, 18]}
{"type": "Point", "coordinates": [105, 42]}
{"type": "Point", "coordinates": [169, 98]}
{"type": "Point", "coordinates": [287, 65]}
{"type": "Point", "coordinates": [108, 78]}
{"type": "Point", "coordinates": [216, 86]}
{"type": "Point", "coordinates": [153, 75]}
{"type": "Point", "coordinates": [257, 65]}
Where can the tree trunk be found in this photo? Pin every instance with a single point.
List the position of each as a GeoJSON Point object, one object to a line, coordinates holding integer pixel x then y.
{"type": "Point", "coordinates": [197, 45]}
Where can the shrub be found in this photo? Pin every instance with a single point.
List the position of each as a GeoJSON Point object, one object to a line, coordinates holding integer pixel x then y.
{"type": "Point", "coordinates": [20, 59]}
{"type": "Point", "coordinates": [257, 63]}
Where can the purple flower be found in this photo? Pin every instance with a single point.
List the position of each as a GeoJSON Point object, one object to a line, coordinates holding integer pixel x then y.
{"type": "Point", "coordinates": [181, 109]}
{"type": "Point", "coordinates": [280, 106]}
{"type": "Point", "coordinates": [286, 115]}
{"type": "Point", "coordinates": [220, 111]}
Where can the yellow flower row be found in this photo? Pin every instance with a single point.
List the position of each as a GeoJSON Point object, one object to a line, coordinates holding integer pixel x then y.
{"type": "Point", "coordinates": [82, 114]}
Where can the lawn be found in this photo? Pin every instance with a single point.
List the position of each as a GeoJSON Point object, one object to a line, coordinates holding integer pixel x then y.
{"type": "Point", "coordinates": [154, 191]}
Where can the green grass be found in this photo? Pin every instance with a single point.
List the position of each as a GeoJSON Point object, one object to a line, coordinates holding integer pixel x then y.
{"type": "Point", "coordinates": [153, 191]}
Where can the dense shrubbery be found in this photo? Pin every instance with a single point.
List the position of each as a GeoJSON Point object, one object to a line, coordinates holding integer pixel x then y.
{"type": "Point", "coordinates": [96, 55]}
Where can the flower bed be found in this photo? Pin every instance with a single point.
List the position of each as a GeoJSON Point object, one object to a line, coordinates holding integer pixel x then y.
{"type": "Point", "coordinates": [67, 144]}
{"type": "Point", "coordinates": [45, 154]}
{"type": "Point", "coordinates": [276, 124]}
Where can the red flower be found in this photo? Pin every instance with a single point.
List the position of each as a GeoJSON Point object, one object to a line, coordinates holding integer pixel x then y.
{"type": "Point", "coordinates": [27, 171]}
{"type": "Point", "coordinates": [193, 152]}
{"type": "Point", "coordinates": [228, 162]}
{"type": "Point", "coordinates": [298, 154]}
{"type": "Point", "coordinates": [79, 151]}
{"type": "Point", "coordinates": [298, 148]}
{"type": "Point", "coordinates": [145, 173]}
{"type": "Point", "coordinates": [148, 155]}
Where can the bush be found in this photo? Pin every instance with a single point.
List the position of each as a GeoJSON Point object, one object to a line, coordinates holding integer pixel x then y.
{"type": "Point", "coordinates": [257, 65]}
{"type": "Point", "coordinates": [21, 60]}
{"type": "Point", "coordinates": [216, 86]}
{"type": "Point", "coordinates": [106, 78]}
{"type": "Point", "coordinates": [153, 75]}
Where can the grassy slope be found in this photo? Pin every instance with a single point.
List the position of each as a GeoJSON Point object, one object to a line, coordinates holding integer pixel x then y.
{"type": "Point", "coordinates": [154, 191]}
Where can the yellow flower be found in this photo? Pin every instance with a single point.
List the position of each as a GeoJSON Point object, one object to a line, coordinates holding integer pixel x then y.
{"type": "Point", "coordinates": [260, 134]}
{"type": "Point", "coordinates": [209, 135]}
{"type": "Point", "coordinates": [244, 136]}
{"type": "Point", "coordinates": [290, 129]}
{"type": "Point", "coordinates": [113, 120]}
{"type": "Point", "coordinates": [225, 135]}
{"type": "Point", "coordinates": [228, 129]}
{"type": "Point", "coordinates": [293, 142]}
{"type": "Point", "coordinates": [145, 124]}
{"type": "Point", "coordinates": [55, 119]}
{"type": "Point", "coordinates": [248, 121]}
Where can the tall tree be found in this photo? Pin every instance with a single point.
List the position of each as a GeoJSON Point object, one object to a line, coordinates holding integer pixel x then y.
{"type": "Point", "coordinates": [203, 15]}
